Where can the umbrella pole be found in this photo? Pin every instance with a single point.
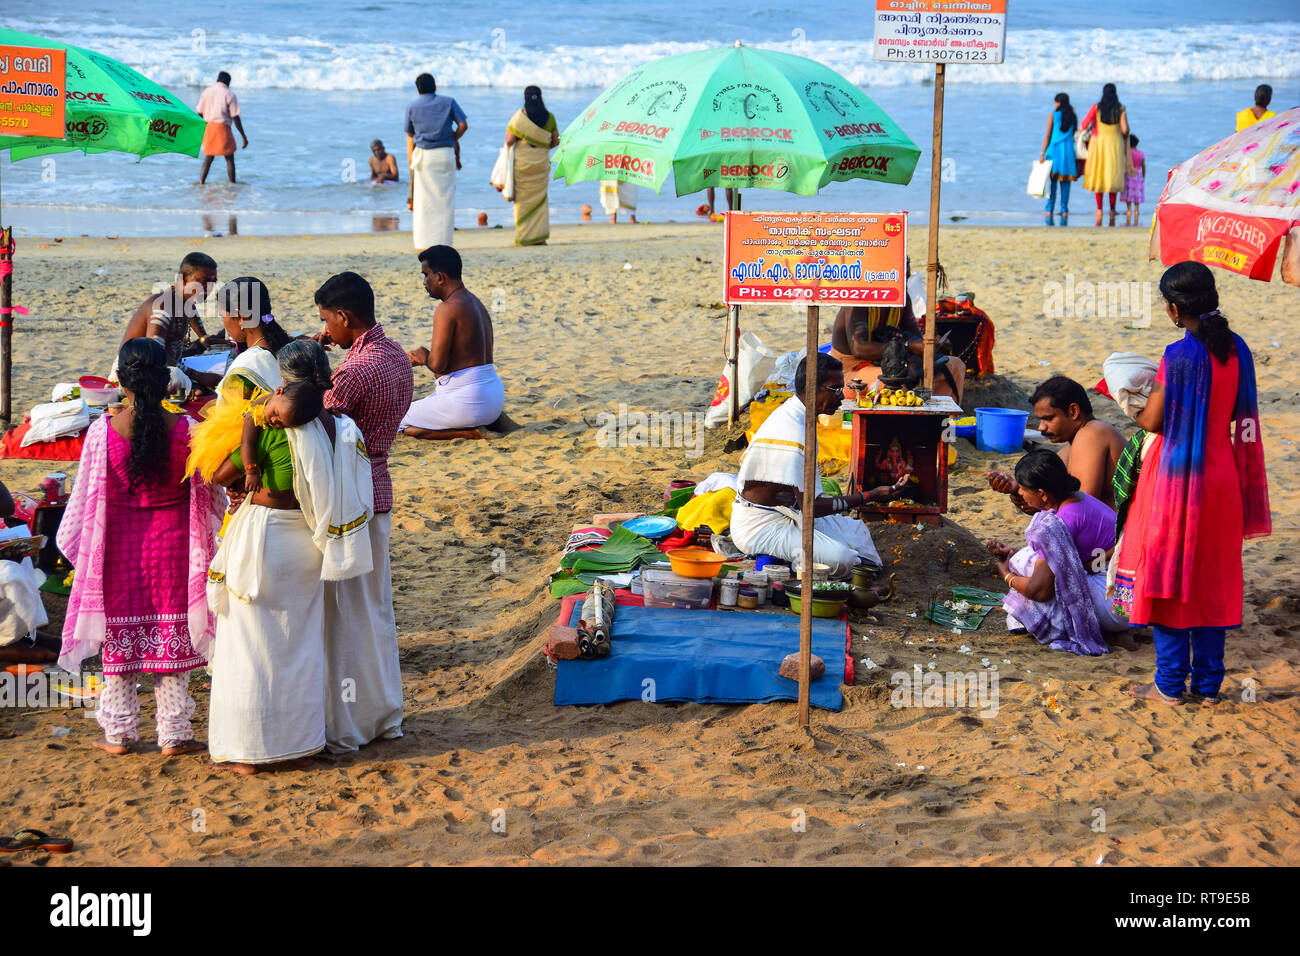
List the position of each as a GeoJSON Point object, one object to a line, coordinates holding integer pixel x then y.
{"type": "Point", "coordinates": [6, 323]}
{"type": "Point", "coordinates": [932, 263]}
{"type": "Point", "coordinates": [811, 385]}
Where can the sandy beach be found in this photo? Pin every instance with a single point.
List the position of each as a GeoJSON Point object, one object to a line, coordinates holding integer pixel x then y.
{"type": "Point", "coordinates": [577, 333]}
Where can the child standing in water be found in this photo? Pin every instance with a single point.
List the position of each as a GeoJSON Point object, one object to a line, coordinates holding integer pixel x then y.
{"type": "Point", "coordinates": [1134, 183]}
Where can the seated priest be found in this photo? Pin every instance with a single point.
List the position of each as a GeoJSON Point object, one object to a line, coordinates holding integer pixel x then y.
{"type": "Point", "coordinates": [766, 517]}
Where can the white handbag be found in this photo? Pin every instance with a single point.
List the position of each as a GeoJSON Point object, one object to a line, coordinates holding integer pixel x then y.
{"type": "Point", "coordinates": [503, 173]}
{"type": "Point", "coordinates": [1038, 176]}
{"type": "Point", "coordinates": [1081, 144]}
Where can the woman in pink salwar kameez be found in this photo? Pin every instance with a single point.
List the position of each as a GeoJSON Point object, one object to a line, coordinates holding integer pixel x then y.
{"type": "Point", "coordinates": [140, 534]}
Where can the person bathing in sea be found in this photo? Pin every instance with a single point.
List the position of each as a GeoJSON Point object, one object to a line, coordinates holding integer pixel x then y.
{"type": "Point", "coordinates": [469, 394]}
{"type": "Point", "coordinates": [383, 166]}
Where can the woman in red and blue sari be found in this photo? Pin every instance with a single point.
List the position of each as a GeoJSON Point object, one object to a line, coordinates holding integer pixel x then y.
{"type": "Point", "coordinates": [1201, 492]}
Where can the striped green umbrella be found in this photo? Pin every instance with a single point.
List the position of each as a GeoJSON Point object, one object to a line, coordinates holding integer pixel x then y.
{"type": "Point", "coordinates": [738, 117]}
{"type": "Point", "coordinates": [110, 107]}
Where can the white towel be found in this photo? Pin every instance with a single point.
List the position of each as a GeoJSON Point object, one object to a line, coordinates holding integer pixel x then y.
{"type": "Point", "coordinates": [335, 489]}
{"type": "Point", "coordinates": [1129, 377]}
{"type": "Point", "coordinates": [57, 420]}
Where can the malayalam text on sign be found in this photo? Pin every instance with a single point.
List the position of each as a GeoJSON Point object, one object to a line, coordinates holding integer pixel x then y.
{"type": "Point", "coordinates": [940, 31]}
{"type": "Point", "coordinates": [32, 85]}
{"type": "Point", "coordinates": [816, 258]}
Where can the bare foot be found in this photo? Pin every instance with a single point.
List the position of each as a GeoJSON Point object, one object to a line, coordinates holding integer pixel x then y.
{"type": "Point", "coordinates": [117, 750]}
{"type": "Point", "coordinates": [243, 769]}
{"type": "Point", "coordinates": [1150, 692]}
{"type": "Point", "coordinates": [1124, 639]}
{"type": "Point", "coordinates": [184, 747]}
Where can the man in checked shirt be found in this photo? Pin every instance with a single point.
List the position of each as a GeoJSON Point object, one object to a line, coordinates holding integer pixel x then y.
{"type": "Point", "coordinates": [373, 387]}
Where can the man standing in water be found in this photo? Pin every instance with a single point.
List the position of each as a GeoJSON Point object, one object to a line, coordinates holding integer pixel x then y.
{"type": "Point", "coordinates": [469, 393]}
{"type": "Point", "coordinates": [383, 165]}
{"type": "Point", "coordinates": [434, 124]}
{"type": "Point", "coordinates": [219, 107]}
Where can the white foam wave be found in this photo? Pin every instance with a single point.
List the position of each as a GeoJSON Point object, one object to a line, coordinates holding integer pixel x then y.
{"type": "Point", "coordinates": [1171, 54]}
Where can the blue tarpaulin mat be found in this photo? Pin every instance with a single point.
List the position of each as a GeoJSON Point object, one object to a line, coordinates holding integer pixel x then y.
{"type": "Point", "coordinates": [714, 657]}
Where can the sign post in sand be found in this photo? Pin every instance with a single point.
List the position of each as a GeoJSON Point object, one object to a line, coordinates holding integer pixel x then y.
{"type": "Point", "coordinates": [32, 88]}
{"type": "Point", "coordinates": [836, 258]}
{"type": "Point", "coordinates": [938, 32]}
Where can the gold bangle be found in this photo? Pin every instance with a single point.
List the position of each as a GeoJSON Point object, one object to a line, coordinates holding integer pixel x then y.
{"type": "Point", "coordinates": [1006, 578]}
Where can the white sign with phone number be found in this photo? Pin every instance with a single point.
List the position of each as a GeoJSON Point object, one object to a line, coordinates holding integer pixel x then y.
{"type": "Point", "coordinates": [940, 31]}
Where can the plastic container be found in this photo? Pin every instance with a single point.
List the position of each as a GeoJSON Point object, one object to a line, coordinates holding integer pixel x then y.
{"type": "Point", "coordinates": [728, 591]}
{"type": "Point", "coordinates": [97, 391]}
{"type": "Point", "coordinates": [666, 589]}
{"type": "Point", "coordinates": [1000, 429]}
{"type": "Point", "coordinates": [758, 581]}
{"type": "Point", "coordinates": [748, 599]}
{"type": "Point", "coordinates": [779, 598]}
{"type": "Point", "coordinates": [820, 608]}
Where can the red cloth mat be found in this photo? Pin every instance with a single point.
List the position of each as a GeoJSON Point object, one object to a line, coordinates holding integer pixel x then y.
{"type": "Point", "coordinates": [61, 449]}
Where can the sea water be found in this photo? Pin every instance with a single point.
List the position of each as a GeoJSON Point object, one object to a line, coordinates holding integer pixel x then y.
{"type": "Point", "coordinates": [317, 80]}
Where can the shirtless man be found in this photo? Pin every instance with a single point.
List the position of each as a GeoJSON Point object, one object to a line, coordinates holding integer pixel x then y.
{"type": "Point", "coordinates": [469, 393]}
{"type": "Point", "coordinates": [1092, 447]}
{"type": "Point", "coordinates": [383, 166]}
{"type": "Point", "coordinates": [167, 315]}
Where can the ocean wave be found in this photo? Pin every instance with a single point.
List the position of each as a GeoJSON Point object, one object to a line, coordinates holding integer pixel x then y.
{"type": "Point", "coordinates": [1172, 54]}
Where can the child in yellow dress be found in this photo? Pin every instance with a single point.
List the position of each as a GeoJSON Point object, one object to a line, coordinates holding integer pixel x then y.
{"type": "Point", "coordinates": [251, 433]}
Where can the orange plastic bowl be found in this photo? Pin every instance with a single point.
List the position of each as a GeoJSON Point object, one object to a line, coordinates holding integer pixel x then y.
{"type": "Point", "coordinates": [696, 562]}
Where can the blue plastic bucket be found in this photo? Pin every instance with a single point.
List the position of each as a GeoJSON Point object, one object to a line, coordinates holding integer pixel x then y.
{"type": "Point", "coordinates": [1000, 429]}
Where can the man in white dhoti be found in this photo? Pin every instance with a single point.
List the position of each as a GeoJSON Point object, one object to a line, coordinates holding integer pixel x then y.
{"type": "Point", "coordinates": [470, 394]}
{"type": "Point", "coordinates": [373, 386]}
{"type": "Point", "coordinates": [616, 197]}
{"type": "Point", "coordinates": [433, 125]}
{"type": "Point", "coordinates": [766, 518]}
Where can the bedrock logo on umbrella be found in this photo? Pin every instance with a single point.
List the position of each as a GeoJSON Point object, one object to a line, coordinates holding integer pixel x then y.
{"type": "Point", "coordinates": [754, 171]}
{"type": "Point", "coordinates": [854, 129]}
{"type": "Point", "coordinates": [853, 164]}
{"type": "Point", "coordinates": [90, 129]}
{"type": "Point", "coordinates": [641, 130]}
{"type": "Point", "coordinates": [641, 169]}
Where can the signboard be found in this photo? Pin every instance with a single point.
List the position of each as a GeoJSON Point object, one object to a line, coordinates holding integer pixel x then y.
{"type": "Point", "coordinates": [816, 258]}
{"type": "Point", "coordinates": [32, 86]}
{"type": "Point", "coordinates": [940, 31]}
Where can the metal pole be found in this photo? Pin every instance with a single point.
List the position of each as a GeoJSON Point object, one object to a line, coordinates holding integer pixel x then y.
{"type": "Point", "coordinates": [733, 359]}
{"type": "Point", "coordinates": [809, 499]}
{"type": "Point", "coordinates": [6, 326]}
{"type": "Point", "coordinates": [932, 264]}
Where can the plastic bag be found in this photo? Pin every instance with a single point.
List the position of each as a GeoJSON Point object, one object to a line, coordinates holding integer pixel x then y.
{"type": "Point", "coordinates": [21, 608]}
{"type": "Point", "coordinates": [1038, 176]}
{"type": "Point", "coordinates": [753, 366]}
{"type": "Point", "coordinates": [503, 173]}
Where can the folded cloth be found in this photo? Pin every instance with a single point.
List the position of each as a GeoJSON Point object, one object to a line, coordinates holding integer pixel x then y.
{"type": "Point", "coordinates": [21, 608]}
{"type": "Point", "coordinates": [57, 420]}
{"type": "Point", "coordinates": [719, 479]}
{"type": "Point", "coordinates": [712, 508]}
{"type": "Point", "coordinates": [1129, 378]}
{"type": "Point", "coordinates": [586, 539]}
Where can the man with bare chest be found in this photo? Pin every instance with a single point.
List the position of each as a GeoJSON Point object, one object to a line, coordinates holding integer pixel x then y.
{"type": "Point", "coordinates": [469, 393]}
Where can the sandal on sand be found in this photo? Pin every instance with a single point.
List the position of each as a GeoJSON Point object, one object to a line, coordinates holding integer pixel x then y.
{"type": "Point", "coordinates": [1150, 692]}
{"type": "Point", "coordinates": [28, 839]}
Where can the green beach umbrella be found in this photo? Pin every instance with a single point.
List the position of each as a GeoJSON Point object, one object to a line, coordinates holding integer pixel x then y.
{"type": "Point", "coordinates": [738, 117]}
{"type": "Point", "coordinates": [110, 107]}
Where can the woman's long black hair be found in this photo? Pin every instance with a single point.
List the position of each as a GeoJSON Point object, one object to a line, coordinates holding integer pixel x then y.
{"type": "Point", "coordinates": [1108, 107]}
{"type": "Point", "coordinates": [1189, 286]}
{"type": "Point", "coordinates": [1043, 470]}
{"type": "Point", "coordinates": [534, 107]}
{"type": "Point", "coordinates": [249, 298]}
{"type": "Point", "coordinates": [142, 368]}
{"type": "Point", "coordinates": [1068, 118]}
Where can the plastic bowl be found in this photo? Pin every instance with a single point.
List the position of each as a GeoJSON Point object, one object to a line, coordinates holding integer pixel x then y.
{"type": "Point", "coordinates": [96, 390]}
{"type": "Point", "coordinates": [820, 607]}
{"type": "Point", "coordinates": [696, 562]}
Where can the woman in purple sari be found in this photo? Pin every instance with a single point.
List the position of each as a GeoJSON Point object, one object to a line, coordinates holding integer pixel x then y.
{"type": "Point", "coordinates": [1058, 582]}
{"type": "Point", "coordinates": [1202, 490]}
{"type": "Point", "coordinates": [140, 533]}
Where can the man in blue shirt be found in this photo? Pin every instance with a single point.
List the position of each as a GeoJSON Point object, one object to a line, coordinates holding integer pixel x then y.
{"type": "Point", "coordinates": [434, 125]}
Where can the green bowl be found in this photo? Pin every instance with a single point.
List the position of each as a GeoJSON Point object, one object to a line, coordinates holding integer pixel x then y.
{"type": "Point", "coordinates": [820, 607]}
